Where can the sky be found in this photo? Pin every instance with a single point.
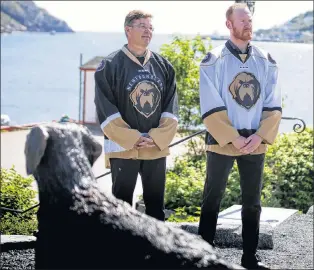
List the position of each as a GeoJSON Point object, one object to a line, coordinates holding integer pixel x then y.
{"type": "Point", "coordinates": [170, 17]}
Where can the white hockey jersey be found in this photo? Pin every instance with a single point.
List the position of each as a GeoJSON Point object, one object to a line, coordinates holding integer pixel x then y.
{"type": "Point", "coordinates": [239, 95]}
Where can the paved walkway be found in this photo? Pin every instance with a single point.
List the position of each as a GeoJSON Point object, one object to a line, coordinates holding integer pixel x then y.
{"type": "Point", "coordinates": [12, 153]}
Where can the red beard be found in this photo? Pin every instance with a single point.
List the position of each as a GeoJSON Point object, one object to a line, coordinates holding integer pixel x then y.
{"type": "Point", "coordinates": [243, 35]}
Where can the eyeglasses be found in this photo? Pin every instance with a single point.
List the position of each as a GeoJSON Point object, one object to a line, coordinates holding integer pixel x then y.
{"type": "Point", "coordinates": [143, 27]}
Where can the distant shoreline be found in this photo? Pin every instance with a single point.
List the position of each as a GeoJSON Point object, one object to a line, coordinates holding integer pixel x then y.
{"type": "Point", "coordinates": [173, 34]}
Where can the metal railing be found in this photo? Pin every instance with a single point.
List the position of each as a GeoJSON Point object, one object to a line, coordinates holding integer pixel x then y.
{"type": "Point", "coordinates": [298, 128]}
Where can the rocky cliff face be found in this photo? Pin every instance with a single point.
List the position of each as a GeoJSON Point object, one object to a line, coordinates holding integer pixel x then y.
{"type": "Point", "coordinates": [26, 16]}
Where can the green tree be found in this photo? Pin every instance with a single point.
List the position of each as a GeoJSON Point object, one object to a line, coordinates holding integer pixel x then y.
{"type": "Point", "coordinates": [185, 55]}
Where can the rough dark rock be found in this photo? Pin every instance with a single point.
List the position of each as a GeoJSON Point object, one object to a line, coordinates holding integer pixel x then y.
{"type": "Point", "coordinates": [293, 248]}
{"type": "Point", "coordinates": [80, 226]}
{"type": "Point", "coordinates": [310, 211]}
{"type": "Point", "coordinates": [230, 235]}
{"type": "Point", "coordinates": [140, 206]}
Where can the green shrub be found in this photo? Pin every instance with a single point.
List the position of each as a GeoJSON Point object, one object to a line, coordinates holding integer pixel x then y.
{"type": "Point", "coordinates": [291, 171]}
{"type": "Point", "coordinates": [184, 185]}
{"type": "Point", "coordinates": [12, 224]}
{"type": "Point", "coordinates": [288, 176]}
{"type": "Point", "coordinates": [185, 54]}
{"type": "Point", "coordinates": [185, 214]}
{"type": "Point", "coordinates": [16, 193]}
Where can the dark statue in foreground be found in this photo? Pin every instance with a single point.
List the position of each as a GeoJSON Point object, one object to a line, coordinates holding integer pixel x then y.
{"type": "Point", "coordinates": [81, 227]}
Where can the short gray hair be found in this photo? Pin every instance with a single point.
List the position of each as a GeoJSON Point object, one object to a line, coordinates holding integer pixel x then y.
{"type": "Point", "coordinates": [135, 15]}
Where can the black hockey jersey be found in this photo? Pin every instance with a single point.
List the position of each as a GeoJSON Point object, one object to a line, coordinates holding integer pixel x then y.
{"type": "Point", "coordinates": [133, 99]}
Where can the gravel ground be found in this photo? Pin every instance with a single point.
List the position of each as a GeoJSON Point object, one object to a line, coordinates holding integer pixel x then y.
{"type": "Point", "coordinates": [293, 245]}
{"type": "Point", "coordinates": [18, 259]}
{"type": "Point", "coordinates": [293, 248]}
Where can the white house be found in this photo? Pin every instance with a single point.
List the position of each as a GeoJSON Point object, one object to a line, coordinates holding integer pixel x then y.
{"type": "Point", "coordinates": [88, 105]}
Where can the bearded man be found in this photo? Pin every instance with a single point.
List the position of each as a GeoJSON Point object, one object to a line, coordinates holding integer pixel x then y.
{"type": "Point", "coordinates": [241, 109]}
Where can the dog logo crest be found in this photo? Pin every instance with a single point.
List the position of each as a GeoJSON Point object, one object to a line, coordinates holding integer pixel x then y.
{"type": "Point", "coordinates": [245, 89]}
{"type": "Point", "coordinates": [146, 98]}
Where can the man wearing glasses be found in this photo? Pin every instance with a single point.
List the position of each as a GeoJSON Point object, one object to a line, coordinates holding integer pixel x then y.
{"type": "Point", "coordinates": [137, 107]}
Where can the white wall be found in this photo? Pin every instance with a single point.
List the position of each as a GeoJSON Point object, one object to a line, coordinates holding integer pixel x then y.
{"type": "Point", "coordinates": [90, 110]}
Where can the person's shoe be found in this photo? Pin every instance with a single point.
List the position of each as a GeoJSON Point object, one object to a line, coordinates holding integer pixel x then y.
{"type": "Point", "coordinates": [252, 262]}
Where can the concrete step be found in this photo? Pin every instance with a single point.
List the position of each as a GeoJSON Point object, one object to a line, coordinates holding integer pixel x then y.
{"type": "Point", "coordinates": [229, 225]}
{"type": "Point", "coordinates": [17, 242]}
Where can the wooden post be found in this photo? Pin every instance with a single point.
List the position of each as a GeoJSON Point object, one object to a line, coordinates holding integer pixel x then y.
{"type": "Point", "coordinates": [80, 95]}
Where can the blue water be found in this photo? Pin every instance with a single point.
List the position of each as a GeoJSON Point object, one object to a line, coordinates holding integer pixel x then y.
{"type": "Point", "coordinates": [40, 73]}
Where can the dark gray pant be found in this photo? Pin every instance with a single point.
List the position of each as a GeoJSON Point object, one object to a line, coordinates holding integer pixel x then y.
{"type": "Point", "coordinates": [153, 174]}
{"type": "Point", "coordinates": [251, 173]}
